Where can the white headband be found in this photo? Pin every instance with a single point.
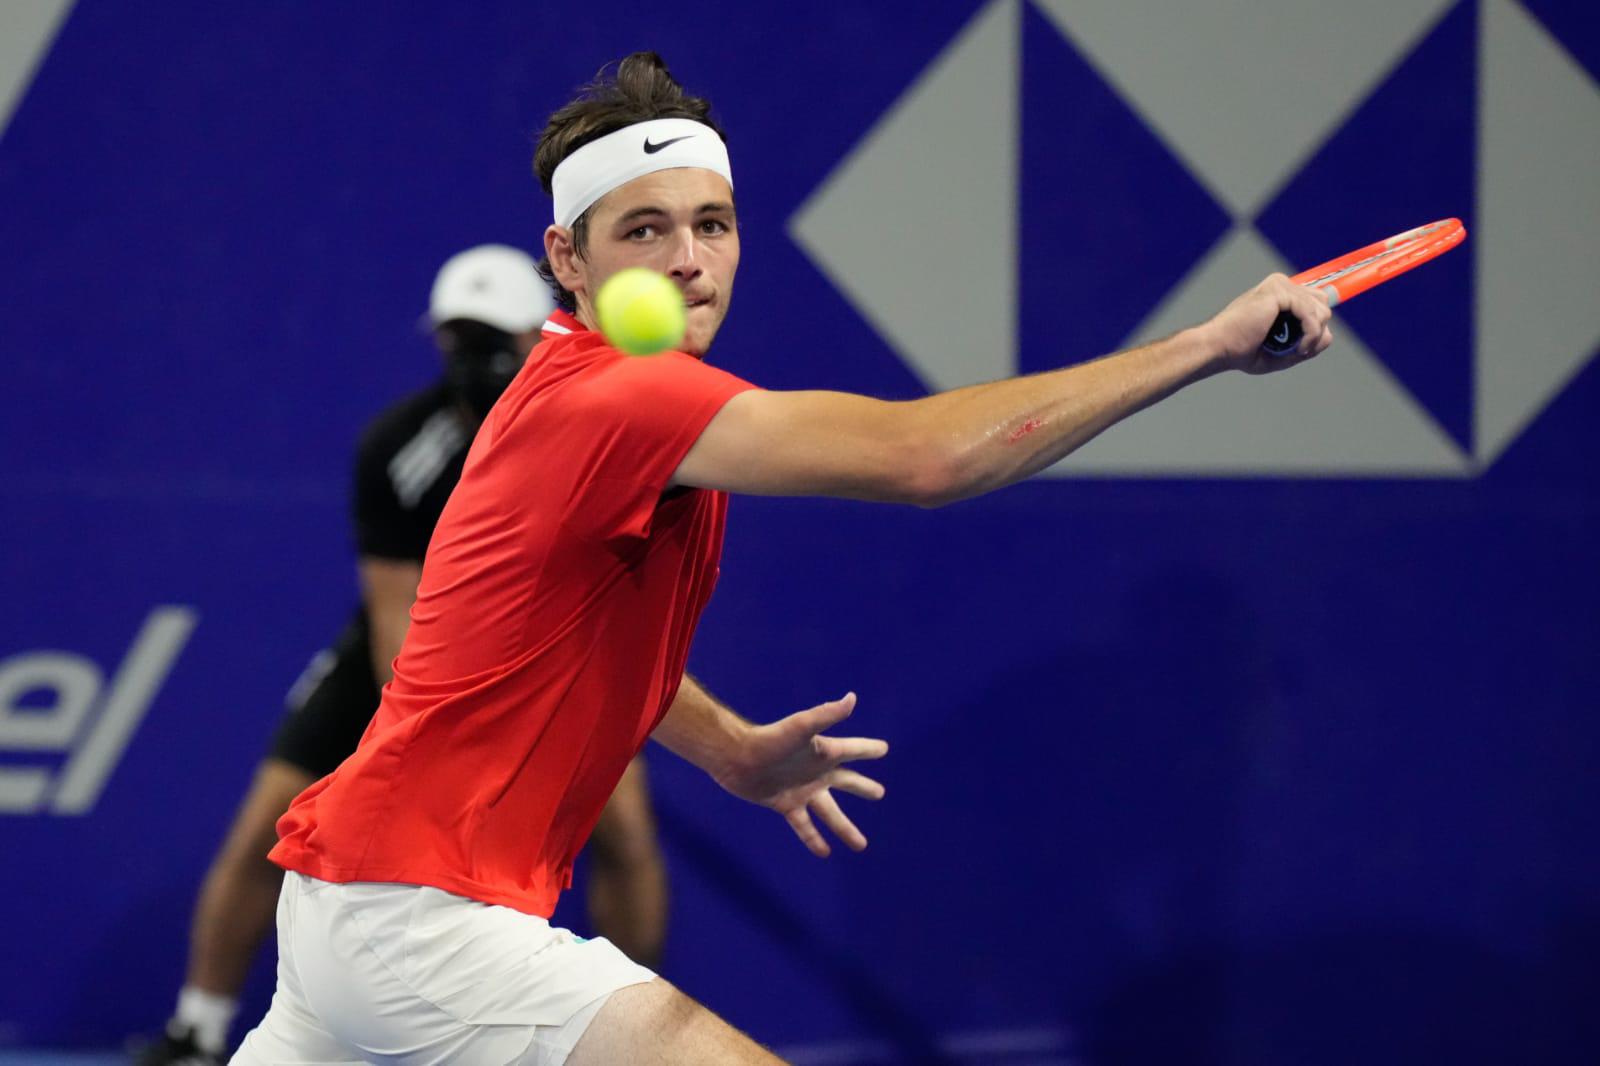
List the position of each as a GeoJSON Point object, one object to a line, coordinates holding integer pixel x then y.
{"type": "Point", "coordinates": [632, 152]}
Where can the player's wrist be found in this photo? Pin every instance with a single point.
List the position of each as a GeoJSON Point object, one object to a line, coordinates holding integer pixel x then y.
{"type": "Point", "coordinates": [723, 750]}
{"type": "Point", "coordinates": [1205, 348]}
{"type": "Point", "coordinates": [738, 756]}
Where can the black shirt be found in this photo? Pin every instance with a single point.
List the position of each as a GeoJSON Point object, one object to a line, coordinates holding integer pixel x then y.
{"type": "Point", "coordinates": [407, 463]}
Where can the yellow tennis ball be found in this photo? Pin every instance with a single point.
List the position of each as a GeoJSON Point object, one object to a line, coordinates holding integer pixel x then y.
{"type": "Point", "coordinates": [641, 312]}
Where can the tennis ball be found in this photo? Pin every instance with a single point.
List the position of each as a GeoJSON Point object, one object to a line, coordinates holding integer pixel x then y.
{"type": "Point", "coordinates": [641, 312]}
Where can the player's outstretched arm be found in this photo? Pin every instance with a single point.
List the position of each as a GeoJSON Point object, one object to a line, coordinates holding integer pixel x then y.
{"type": "Point", "coordinates": [969, 441]}
{"type": "Point", "coordinates": [787, 765]}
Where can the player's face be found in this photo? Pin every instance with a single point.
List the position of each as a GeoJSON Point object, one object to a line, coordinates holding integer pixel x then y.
{"type": "Point", "coordinates": [679, 222]}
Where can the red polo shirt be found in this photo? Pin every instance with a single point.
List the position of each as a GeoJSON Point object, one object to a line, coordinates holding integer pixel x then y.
{"type": "Point", "coordinates": [558, 598]}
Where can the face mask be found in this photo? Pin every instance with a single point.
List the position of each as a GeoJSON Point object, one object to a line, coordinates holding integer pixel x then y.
{"type": "Point", "coordinates": [479, 362]}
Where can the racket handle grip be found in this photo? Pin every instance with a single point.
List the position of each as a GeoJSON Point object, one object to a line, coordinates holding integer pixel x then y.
{"type": "Point", "coordinates": [1284, 335]}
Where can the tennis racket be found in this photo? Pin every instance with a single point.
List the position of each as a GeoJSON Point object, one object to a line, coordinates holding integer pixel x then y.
{"type": "Point", "coordinates": [1355, 272]}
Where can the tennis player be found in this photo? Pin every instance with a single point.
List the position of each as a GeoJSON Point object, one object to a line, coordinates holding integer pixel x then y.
{"type": "Point", "coordinates": [555, 614]}
{"type": "Point", "coordinates": [484, 310]}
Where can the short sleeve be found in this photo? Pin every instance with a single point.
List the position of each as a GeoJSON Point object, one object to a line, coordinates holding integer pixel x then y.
{"type": "Point", "coordinates": [645, 413]}
{"type": "Point", "coordinates": [383, 527]}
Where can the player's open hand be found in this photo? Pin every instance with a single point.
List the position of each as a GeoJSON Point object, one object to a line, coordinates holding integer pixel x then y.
{"type": "Point", "coordinates": [790, 766]}
{"type": "Point", "coordinates": [1239, 329]}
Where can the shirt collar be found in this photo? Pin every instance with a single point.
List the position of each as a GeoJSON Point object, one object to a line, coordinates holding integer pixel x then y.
{"type": "Point", "coordinates": [560, 323]}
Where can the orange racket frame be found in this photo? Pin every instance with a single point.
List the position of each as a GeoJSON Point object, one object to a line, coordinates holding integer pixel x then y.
{"type": "Point", "coordinates": [1355, 272]}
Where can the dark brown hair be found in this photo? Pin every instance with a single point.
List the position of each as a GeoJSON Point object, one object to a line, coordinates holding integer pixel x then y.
{"type": "Point", "coordinates": [640, 88]}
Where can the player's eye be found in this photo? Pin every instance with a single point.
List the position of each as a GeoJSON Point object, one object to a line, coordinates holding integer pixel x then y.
{"type": "Point", "coordinates": [640, 233]}
{"type": "Point", "coordinates": [713, 227]}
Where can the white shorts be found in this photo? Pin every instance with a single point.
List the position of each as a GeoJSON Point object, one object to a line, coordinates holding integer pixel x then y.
{"type": "Point", "coordinates": [412, 975]}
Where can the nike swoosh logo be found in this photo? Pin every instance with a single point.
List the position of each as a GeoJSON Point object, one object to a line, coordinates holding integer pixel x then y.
{"type": "Point", "coordinates": [1282, 336]}
{"type": "Point", "coordinates": [652, 149]}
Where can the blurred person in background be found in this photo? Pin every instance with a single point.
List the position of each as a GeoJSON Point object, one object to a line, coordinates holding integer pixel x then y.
{"type": "Point", "coordinates": [486, 307]}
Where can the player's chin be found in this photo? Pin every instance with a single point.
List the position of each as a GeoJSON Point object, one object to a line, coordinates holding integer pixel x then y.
{"type": "Point", "coordinates": [701, 325]}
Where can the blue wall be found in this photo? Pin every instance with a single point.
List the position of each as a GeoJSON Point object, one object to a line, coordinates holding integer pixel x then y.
{"type": "Point", "coordinates": [1261, 769]}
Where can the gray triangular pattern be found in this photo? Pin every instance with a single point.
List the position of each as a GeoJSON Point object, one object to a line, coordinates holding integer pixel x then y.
{"type": "Point", "coordinates": [1342, 414]}
{"type": "Point", "coordinates": [1245, 91]}
{"type": "Point", "coordinates": [938, 285]}
{"type": "Point", "coordinates": [26, 29]}
{"type": "Point", "coordinates": [1538, 224]}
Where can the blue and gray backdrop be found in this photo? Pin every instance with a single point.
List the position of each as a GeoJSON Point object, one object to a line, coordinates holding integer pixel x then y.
{"type": "Point", "coordinates": [1262, 731]}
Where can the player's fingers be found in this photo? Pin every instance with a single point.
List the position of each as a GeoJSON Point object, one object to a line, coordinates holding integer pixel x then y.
{"type": "Point", "coordinates": [856, 784]}
{"type": "Point", "coordinates": [839, 750]}
{"type": "Point", "coordinates": [1317, 331]}
{"type": "Point", "coordinates": [1326, 340]}
{"type": "Point", "coordinates": [1283, 289]}
{"type": "Point", "coordinates": [799, 820]}
{"type": "Point", "coordinates": [826, 715]}
{"type": "Point", "coordinates": [837, 821]}
{"type": "Point", "coordinates": [1311, 308]}
{"type": "Point", "coordinates": [1285, 293]}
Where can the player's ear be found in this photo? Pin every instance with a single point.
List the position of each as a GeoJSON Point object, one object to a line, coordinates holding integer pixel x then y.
{"type": "Point", "coordinates": [563, 257]}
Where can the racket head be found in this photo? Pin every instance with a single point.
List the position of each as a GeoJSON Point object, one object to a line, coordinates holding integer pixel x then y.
{"type": "Point", "coordinates": [1355, 272]}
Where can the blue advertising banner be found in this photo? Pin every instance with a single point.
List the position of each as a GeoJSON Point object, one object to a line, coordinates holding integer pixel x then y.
{"type": "Point", "coordinates": [1261, 730]}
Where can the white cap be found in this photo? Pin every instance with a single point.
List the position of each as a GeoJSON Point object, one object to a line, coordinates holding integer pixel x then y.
{"type": "Point", "coordinates": [492, 283]}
